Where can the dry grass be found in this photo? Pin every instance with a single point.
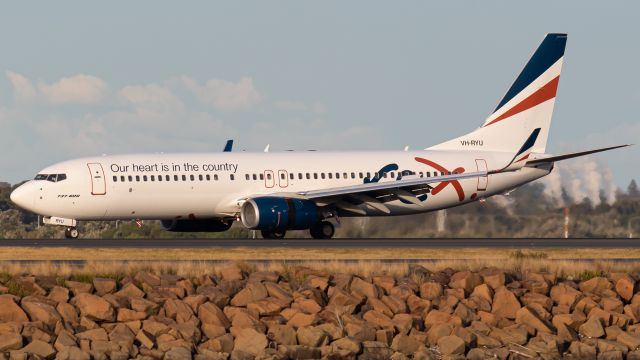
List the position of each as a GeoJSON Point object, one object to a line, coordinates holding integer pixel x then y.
{"type": "Point", "coordinates": [283, 253]}
{"type": "Point", "coordinates": [192, 269]}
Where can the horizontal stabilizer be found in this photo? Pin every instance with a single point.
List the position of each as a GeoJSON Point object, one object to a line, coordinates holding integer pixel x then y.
{"type": "Point", "coordinates": [572, 155]}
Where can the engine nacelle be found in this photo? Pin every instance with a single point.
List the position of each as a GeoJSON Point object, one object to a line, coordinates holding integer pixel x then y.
{"type": "Point", "coordinates": [276, 213]}
{"type": "Point", "coordinates": [199, 225]}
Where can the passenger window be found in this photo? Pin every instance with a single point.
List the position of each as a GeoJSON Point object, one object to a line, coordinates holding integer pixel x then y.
{"type": "Point", "coordinates": [322, 175]}
{"type": "Point", "coordinates": [175, 177]}
{"type": "Point", "coordinates": [255, 177]}
{"type": "Point", "coordinates": [122, 178]}
{"type": "Point", "coordinates": [115, 179]}
{"type": "Point", "coordinates": [261, 176]}
{"type": "Point", "coordinates": [353, 175]}
{"type": "Point", "coordinates": [315, 175]}
{"type": "Point", "coordinates": [215, 177]}
{"type": "Point", "coordinates": [292, 176]}
{"type": "Point", "coordinates": [361, 175]}
{"type": "Point", "coordinates": [391, 175]}
{"type": "Point", "coordinates": [442, 173]}
{"type": "Point", "coordinates": [299, 176]}
{"type": "Point", "coordinates": [308, 176]}
{"type": "Point", "coordinates": [330, 175]}
{"type": "Point", "coordinates": [159, 177]}
{"type": "Point", "coordinates": [130, 178]}
{"type": "Point", "coordinates": [208, 177]}
{"type": "Point", "coordinates": [344, 175]}
{"type": "Point", "coordinates": [153, 178]}
{"type": "Point", "coordinates": [337, 175]}
{"type": "Point", "coordinates": [144, 177]}
{"type": "Point", "coordinates": [247, 177]}
{"type": "Point", "coordinates": [200, 177]}
{"type": "Point", "coordinates": [282, 176]}
{"type": "Point", "coordinates": [192, 177]}
{"type": "Point", "coordinates": [138, 178]}
{"type": "Point", "coordinates": [184, 177]}
{"type": "Point", "coordinates": [231, 177]}
{"type": "Point", "coordinates": [62, 177]}
{"type": "Point", "coordinates": [269, 176]}
{"type": "Point", "coordinates": [384, 175]}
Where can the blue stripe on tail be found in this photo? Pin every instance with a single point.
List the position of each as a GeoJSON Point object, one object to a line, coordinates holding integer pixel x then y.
{"type": "Point", "coordinates": [550, 51]}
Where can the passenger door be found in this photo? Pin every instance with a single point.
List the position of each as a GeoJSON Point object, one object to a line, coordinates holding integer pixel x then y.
{"type": "Point", "coordinates": [269, 180]}
{"type": "Point", "coordinates": [283, 180]}
{"type": "Point", "coordinates": [98, 183]}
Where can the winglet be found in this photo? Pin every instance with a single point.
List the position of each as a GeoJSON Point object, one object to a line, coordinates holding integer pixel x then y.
{"type": "Point", "coordinates": [228, 146]}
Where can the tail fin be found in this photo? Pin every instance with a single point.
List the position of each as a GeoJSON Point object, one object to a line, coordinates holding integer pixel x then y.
{"type": "Point", "coordinates": [528, 105]}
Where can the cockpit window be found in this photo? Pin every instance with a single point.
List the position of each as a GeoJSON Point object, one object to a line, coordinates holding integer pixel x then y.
{"type": "Point", "coordinates": [51, 177]}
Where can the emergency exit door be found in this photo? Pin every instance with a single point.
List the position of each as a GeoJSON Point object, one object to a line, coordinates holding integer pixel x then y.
{"type": "Point", "coordinates": [98, 184]}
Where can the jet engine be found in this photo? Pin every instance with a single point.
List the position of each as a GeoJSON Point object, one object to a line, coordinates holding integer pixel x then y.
{"type": "Point", "coordinates": [275, 213]}
{"type": "Point", "coordinates": [199, 225]}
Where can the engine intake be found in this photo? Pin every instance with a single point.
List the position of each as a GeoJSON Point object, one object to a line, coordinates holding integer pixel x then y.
{"type": "Point", "coordinates": [275, 213]}
{"type": "Point", "coordinates": [199, 225]}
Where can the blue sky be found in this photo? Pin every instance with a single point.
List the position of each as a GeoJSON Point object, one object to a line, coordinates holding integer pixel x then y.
{"type": "Point", "coordinates": [79, 78]}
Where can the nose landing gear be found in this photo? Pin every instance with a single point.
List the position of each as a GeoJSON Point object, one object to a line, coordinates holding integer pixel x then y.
{"type": "Point", "coordinates": [71, 233]}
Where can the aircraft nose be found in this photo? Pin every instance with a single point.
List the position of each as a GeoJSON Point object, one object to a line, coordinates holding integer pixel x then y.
{"type": "Point", "coordinates": [22, 196]}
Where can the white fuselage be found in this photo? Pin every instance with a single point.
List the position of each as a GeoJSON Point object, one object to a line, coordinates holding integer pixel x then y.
{"type": "Point", "coordinates": [188, 186]}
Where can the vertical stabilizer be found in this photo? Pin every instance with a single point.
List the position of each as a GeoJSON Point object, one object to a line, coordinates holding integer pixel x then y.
{"type": "Point", "coordinates": [528, 105]}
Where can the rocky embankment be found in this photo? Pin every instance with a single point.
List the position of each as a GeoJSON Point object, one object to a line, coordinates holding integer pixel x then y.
{"type": "Point", "coordinates": [310, 314]}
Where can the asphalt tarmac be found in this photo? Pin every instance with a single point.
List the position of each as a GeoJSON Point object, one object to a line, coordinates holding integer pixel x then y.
{"type": "Point", "coordinates": [332, 243]}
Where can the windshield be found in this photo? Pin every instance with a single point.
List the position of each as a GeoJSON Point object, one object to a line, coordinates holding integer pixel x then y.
{"type": "Point", "coordinates": [51, 177]}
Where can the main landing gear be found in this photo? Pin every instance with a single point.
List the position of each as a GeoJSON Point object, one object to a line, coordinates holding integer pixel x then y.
{"type": "Point", "coordinates": [71, 233]}
{"type": "Point", "coordinates": [273, 234]}
{"type": "Point", "coordinates": [322, 230]}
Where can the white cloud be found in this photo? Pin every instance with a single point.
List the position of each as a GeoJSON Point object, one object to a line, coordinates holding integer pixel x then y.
{"type": "Point", "coordinates": [152, 96]}
{"type": "Point", "coordinates": [77, 89]}
{"type": "Point", "coordinates": [225, 95]}
{"type": "Point", "coordinates": [22, 86]}
{"type": "Point", "coordinates": [292, 105]}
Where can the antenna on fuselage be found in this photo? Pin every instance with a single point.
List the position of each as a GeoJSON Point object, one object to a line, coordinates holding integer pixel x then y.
{"type": "Point", "coordinates": [266, 148]}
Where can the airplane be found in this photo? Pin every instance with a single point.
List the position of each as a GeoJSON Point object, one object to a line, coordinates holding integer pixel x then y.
{"type": "Point", "coordinates": [275, 192]}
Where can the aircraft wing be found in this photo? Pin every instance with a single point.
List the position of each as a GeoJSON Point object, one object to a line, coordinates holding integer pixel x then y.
{"type": "Point", "coordinates": [375, 194]}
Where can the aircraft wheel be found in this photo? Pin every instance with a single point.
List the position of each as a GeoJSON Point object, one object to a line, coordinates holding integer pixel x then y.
{"type": "Point", "coordinates": [322, 230]}
{"type": "Point", "coordinates": [71, 233]}
{"type": "Point", "coordinates": [273, 234]}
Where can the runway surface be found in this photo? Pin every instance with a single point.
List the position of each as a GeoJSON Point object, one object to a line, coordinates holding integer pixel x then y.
{"type": "Point", "coordinates": [332, 243]}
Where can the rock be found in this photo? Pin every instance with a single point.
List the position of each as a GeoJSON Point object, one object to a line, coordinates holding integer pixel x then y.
{"type": "Point", "coordinates": [59, 294]}
{"type": "Point", "coordinates": [395, 304]}
{"type": "Point", "coordinates": [177, 353]}
{"type": "Point", "coordinates": [375, 350]}
{"type": "Point", "coordinates": [378, 319]}
{"type": "Point", "coordinates": [364, 288]}
{"type": "Point", "coordinates": [465, 280]}
{"type": "Point", "coordinates": [213, 331]}
{"type": "Point", "coordinates": [42, 312]}
{"type": "Point", "coordinates": [10, 311]}
{"type": "Point", "coordinates": [145, 339]}
{"type": "Point", "coordinates": [418, 305]}
{"type": "Point", "coordinates": [282, 335]}
{"type": "Point", "coordinates": [451, 345]}
{"type": "Point", "coordinates": [493, 277]}
{"type": "Point", "coordinates": [592, 328]}
{"type": "Point", "coordinates": [483, 291]}
{"type": "Point", "coordinates": [300, 320]}
{"type": "Point", "coordinates": [526, 316]}
{"type": "Point", "coordinates": [505, 303]}
{"type": "Point", "coordinates": [631, 341]}
{"type": "Point", "coordinates": [437, 331]}
{"type": "Point", "coordinates": [403, 323]}
{"type": "Point", "coordinates": [565, 333]}
{"type": "Point", "coordinates": [40, 348]}
{"type": "Point", "coordinates": [130, 290]}
{"type": "Point", "coordinates": [94, 307]}
{"type": "Point", "coordinates": [104, 286]}
{"type": "Point", "coordinates": [253, 291]}
{"type": "Point", "coordinates": [352, 345]}
{"type": "Point", "coordinates": [68, 313]}
{"type": "Point", "coordinates": [405, 344]}
{"type": "Point", "coordinates": [231, 273]}
{"type": "Point", "coordinates": [10, 341]}
{"type": "Point", "coordinates": [311, 336]}
{"type": "Point", "coordinates": [563, 294]}
{"type": "Point", "coordinates": [72, 353]}
{"type": "Point", "coordinates": [93, 335]}
{"type": "Point", "coordinates": [78, 288]}
{"type": "Point", "coordinates": [514, 334]}
{"type": "Point", "coordinates": [64, 339]}
{"type": "Point", "coordinates": [144, 277]}
{"type": "Point", "coordinates": [582, 350]}
{"type": "Point", "coordinates": [430, 290]}
{"type": "Point", "coordinates": [625, 286]}
{"type": "Point", "coordinates": [308, 306]}
{"type": "Point", "coordinates": [144, 305]}
{"type": "Point", "coordinates": [209, 313]}
{"type": "Point", "coordinates": [250, 341]}
{"type": "Point", "coordinates": [596, 285]}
